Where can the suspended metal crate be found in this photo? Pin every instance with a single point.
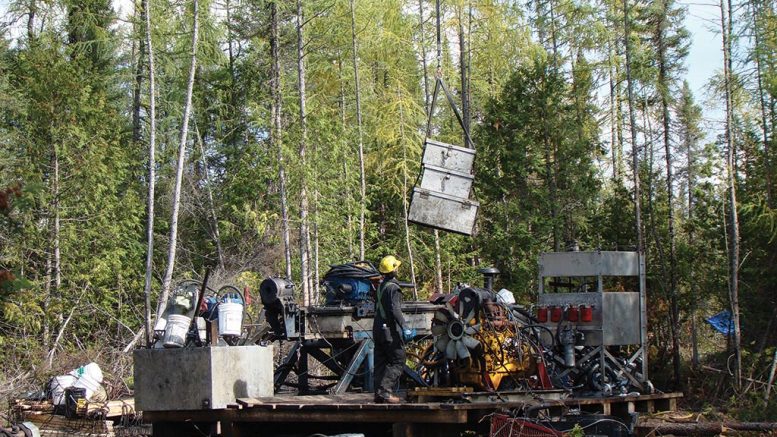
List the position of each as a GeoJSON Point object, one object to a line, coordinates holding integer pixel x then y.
{"type": "Point", "coordinates": [450, 182]}
{"type": "Point", "coordinates": [448, 156]}
{"type": "Point", "coordinates": [443, 211]}
{"type": "Point", "coordinates": [440, 198]}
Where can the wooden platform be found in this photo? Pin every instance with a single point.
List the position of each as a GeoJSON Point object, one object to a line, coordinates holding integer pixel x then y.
{"type": "Point", "coordinates": [359, 413]}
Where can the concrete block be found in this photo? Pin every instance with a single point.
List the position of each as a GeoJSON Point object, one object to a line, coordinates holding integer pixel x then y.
{"type": "Point", "coordinates": [201, 378]}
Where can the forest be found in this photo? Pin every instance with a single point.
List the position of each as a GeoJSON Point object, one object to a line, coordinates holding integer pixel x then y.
{"type": "Point", "coordinates": [259, 138]}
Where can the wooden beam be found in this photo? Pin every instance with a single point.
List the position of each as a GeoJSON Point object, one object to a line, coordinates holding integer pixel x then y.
{"type": "Point", "coordinates": [372, 415]}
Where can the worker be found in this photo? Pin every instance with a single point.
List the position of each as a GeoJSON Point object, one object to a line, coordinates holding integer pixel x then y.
{"type": "Point", "coordinates": [389, 332]}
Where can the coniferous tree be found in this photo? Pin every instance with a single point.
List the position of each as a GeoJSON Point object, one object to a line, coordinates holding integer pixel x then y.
{"type": "Point", "coordinates": [669, 40]}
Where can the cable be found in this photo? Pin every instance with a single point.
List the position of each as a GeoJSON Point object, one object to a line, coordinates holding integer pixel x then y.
{"type": "Point", "coordinates": [600, 421]}
{"type": "Point", "coordinates": [439, 40]}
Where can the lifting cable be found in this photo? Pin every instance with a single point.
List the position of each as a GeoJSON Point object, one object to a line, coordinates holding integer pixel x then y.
{"type": "Point", "coordinates": [440, 83]}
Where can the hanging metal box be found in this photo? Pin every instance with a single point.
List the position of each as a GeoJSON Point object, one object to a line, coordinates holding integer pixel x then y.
{"type": "Point", "coordinates": [446, 181]}
{"type": "Point", "coordinates": [443, 211]}
{"type": "Point", "coordinates": [448, 156]}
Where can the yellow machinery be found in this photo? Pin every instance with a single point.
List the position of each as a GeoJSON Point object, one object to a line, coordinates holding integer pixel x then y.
{"type": "Point", "coordinates": [479, 343]}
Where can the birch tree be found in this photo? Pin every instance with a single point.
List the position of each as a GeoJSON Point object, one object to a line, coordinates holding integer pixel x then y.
{"type": "Point", "coordinates": [733, 219]}
{"type": "Point", "coordinates": [146, 8]}
{"type": "Point", "coordinates": [276, 134]}
{"type": "Point", "coordinates": [304, 234]}
{"type": "Point", "coordinates": [176, 203]}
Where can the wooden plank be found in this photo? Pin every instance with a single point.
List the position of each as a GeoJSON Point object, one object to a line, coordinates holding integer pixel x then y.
{"type": "Point", "coordinates": [439, 391]}
{"type": "Point", "coordinates": [337, 408]}
{"type": "Point", "coordinates": [25, 405]}
{"type": "Point", "coordinates": [384, 414]}
{"type": "Point", "coordinates": [368, 416]}
{"type": "Point", "coordinates": [111, 409]}
{"type": "Point", "coordinates": [58, 433]}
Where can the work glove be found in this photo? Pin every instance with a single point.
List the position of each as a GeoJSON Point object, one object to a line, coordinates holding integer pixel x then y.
{"type": "Point", "coordinates": [409, 334]}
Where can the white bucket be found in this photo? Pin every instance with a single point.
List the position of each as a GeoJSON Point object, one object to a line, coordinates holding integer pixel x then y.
{"type": "Point", "coordinates": [505, 296]}
{"type": "Point", "coordinates": [230, 319]}
{"type": "Point", "coordinates": [58, 386]}
{"type": "Point", "coordinates": [90, 379]}
{"type": "Point", "coordinates": [176, 330]}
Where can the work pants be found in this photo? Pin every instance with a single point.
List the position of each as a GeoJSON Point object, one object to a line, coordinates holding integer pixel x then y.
{"type": "Point", "coordinates": [389, 364]}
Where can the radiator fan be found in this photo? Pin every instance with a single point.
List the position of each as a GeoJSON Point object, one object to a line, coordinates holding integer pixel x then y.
{"type": "Point", "coordinates": [453, 327]}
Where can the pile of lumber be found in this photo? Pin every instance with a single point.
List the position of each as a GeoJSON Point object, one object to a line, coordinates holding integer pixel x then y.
{"type": "Point", "coordinates": [106, 410]}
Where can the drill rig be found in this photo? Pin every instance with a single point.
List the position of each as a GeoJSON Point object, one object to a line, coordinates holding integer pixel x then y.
{"type": "Point", "coordinates": [580, 337]}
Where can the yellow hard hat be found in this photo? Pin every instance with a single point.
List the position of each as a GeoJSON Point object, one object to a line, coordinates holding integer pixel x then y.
{"type": "Point", "coordinates": [389, 264]}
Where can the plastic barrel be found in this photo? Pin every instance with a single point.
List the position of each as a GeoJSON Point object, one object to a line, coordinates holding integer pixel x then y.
{"type": "Point", "coordinates": [176, 330]}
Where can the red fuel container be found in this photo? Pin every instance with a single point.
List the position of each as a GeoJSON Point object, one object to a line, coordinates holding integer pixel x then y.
{"type": "Point", "coordinates": [556, 312]}
{"type": "Point", "coordinates": [573, 313]}
{"type": "Point", "coordinates": [586, 313]}
{"type": "Point", "coordinates": [542, 314]}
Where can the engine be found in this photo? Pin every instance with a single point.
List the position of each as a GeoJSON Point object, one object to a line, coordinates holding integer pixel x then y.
{"type": "Point", "coordinates": [479, 342]}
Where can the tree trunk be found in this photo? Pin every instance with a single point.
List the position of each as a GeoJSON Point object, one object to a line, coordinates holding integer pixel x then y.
{"type": "Point", "coordinates": [690, 158]}
{"type": "Point", "coordinates": [772, 370]}
{"type": "Point", "coordinates": [277, 132]}
{"type": "Point", "coordinates": [31, 21]}
{"type": "Point", "coordinates": [438, 262]}
{"type": "Point", "coordinates": [362, 178]}
{"type": "Point", "coordinates": [614, 119]}
{"type": "Point", "coordinates": [405, 205]}
{"type": "Point", "coordinates": [171, 250]}
{"type": "Point", "coordinates": [212, 217]}
{"type": "Point", "coordinates": [663, 88]}
{"type": "Point", "coordinates": [422, 44]}
{"type": "Point", "coordinates": [733, 244]}
{"type": "Point", "coordinates": [427, 110]}
{"type": "Point", "coordinates": [464, 73]}
{"type": "Point", "coordinates": [346, 180]}
{"type": "Point", "coordinates": [304, 244]}
{"type": "Point", "coordinates": [56, 231]}
{"type": "Point", "coordinates": [136, 91]}
{"type": "Point", "coordinates": [633, 130]}
{"type": "Point", "coordinates": [314, 214]}
{"type": "Point", "coordinates": [151, 169]}
{"type": "Point", "coordinates": [553, 35]}
{"type": "Point", "coordinates": [46, 325]}
{"type": "Point", "coordinates": [762, 101]}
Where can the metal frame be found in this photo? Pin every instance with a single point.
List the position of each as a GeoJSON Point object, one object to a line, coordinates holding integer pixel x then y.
{"type": "Point", "coordinates": [600, 264]}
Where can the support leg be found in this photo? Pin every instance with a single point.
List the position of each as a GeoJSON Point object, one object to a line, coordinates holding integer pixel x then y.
{"type": "Point", "coordinates": [353, 367]}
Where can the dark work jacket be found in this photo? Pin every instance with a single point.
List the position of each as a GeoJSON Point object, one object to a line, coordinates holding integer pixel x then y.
{"type": "Point", "coordinates": [389, 298]}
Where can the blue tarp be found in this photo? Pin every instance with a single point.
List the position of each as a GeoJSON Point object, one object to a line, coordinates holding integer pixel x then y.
{"type": "Point", "coordinates": [722, 322]}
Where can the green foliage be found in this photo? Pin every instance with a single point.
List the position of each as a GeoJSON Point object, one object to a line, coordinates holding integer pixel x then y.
{"type": "Point", "coordinates": [537, 144]}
